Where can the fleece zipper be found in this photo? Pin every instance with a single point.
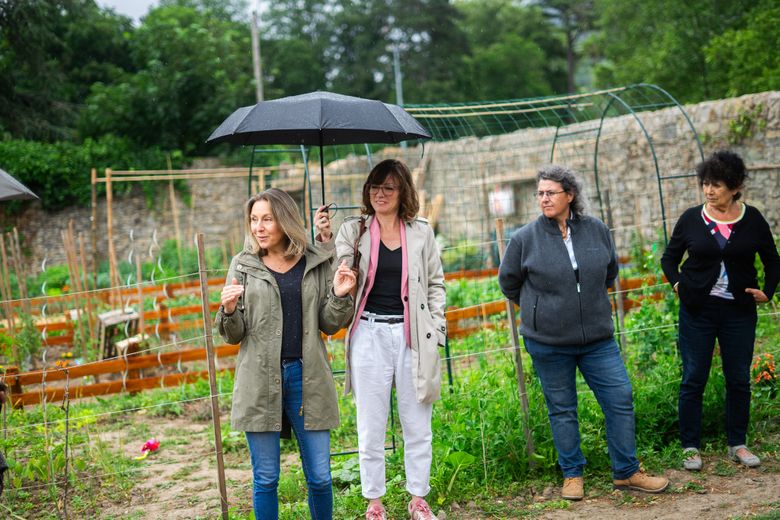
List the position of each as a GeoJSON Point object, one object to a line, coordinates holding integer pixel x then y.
{"type": "Point", "coordinates": [579, 302]}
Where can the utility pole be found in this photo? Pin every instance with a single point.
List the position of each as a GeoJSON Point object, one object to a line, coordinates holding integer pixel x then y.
{"type": "Point", "coordinates": [395, 38]}
{"type": "Point", "coordinates": [399, 89]}
{"type": "Point", "coordinates": [256, 59]}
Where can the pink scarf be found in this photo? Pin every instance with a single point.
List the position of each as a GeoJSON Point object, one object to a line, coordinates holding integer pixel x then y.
{"type": "Point", "coordinates": [374, 232]}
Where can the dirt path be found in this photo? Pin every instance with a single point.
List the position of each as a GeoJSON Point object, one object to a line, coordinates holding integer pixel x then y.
{"type": "Point", "coordinates": [179, 482]}
{"type": "Point", "coordinates": [702, 496]}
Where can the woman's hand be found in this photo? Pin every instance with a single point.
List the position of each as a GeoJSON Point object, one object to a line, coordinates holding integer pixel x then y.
{"type": "Point", "coordinates": [757, 294]}
{"type": "Point", "coordinates": [344, 280]}
{"type": "Point", "coordinates": [230, 294]}
{"type": "Point", "coordinates": [322, 224]}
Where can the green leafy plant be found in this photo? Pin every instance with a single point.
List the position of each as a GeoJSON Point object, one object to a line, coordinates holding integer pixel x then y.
{"type": "Point", "coordinates": [746, 124]}
{"type": "Point", "coordinates": [458, 460]}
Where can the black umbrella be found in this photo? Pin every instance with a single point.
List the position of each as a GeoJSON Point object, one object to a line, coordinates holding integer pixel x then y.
{"type": "Point", "coordinates": [11, 189]}
{"type": "Point", "coordinates": [317, 119]}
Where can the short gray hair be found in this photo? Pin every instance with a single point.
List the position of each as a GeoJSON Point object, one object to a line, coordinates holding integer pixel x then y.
{"type": "Point", "coordinates": [568, 181]}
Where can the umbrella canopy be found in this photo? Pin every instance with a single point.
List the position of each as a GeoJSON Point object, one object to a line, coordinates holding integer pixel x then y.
{"type": "Point", "coordinates": [11, 189]}
{"type": "Point", "coordinates": [317, 119]}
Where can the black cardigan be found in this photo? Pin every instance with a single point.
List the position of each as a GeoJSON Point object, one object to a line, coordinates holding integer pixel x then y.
{"type": "Point", "coordinates": [700, 271]}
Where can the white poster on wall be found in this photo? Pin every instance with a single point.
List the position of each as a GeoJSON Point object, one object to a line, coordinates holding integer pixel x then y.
{"type": "Point", "coordinates": [502, 201]}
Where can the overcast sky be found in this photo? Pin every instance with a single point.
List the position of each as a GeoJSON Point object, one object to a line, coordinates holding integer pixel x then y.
{"type": "Point", "coordinates": [135, 9]}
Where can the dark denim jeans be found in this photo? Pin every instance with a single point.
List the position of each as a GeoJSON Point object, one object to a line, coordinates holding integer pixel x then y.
{"type": "Point", "coordinates": [315, 456]}
{"type": "Point", "coordinates": [602, 367]}
{"type": "Point", "coordinates": [734, 326]}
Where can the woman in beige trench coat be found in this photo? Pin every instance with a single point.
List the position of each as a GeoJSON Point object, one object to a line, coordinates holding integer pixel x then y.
{"type": "Point", "coordinates": [396, 330]}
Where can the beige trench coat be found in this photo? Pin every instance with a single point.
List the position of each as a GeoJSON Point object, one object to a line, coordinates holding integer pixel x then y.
{"type": "Point", "coordinates": [257, 326]}
{"type": "Point", "coordinates": [427, 298]}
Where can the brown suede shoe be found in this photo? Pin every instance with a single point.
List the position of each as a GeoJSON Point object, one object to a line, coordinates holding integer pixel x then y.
{"type": "Point", "coordinates": [572, 488]}
{"type": "Point", "coordinates": [641, 481]}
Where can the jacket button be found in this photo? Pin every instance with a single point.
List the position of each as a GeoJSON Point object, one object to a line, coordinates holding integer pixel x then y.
{"type": "Point", "coordinates": [406, 298]}
{"type": "Point", "coordinates": [277, 381]}
{"type": "Point", "coordinates": [278, 332]}
{"type": "Point", "coordinates": [422, 305]}
{"type": "Point", "coordinates": [277, 426]}
{"type": "Point", "coordinates": [306, 332]}
{"type": "Point", "coordinates": [428, 335]}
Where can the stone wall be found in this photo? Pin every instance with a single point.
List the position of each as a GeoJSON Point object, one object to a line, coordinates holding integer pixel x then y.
{"type": "Point", "coordinates": [464, 172]}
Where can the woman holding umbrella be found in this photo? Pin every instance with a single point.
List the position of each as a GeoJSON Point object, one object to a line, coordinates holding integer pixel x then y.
{"type": "Point", "coordinates": [396, 329]}
{"type": "Point", "coordinates": [278, 297]}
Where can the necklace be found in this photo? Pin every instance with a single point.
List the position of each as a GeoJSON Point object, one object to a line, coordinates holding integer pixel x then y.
{"type": "Point", "coordinates": [279, 265]}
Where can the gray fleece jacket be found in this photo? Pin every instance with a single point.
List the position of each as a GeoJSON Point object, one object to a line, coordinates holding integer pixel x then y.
{"type": "Point", "coordinates": [557, 305]}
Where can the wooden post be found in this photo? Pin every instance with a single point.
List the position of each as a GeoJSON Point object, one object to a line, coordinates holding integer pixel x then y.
{"type": "Point", "coordinates": [116, 295]}
{"type": "Point", "coordinates": [73, 270]}
{"type": "Point", "coordinates": [88, 296]}
{"type": "Point", "coordinates": [5, 285]}
{"type": "Point", "coordinates": [138, 275]}
{"type": "Point", "coordinates": [618, 294]}
{"type": "Point", "coordinates": [204, 297]}
{"type": "Point", "coordinates": [21, 276]}
{"type": "Point", "coordinates": [165, 333]}
{"type": "Point", "coordinates": [520, 373]}
{"type": "Point", "coordinates": [95, 263]}
{"type": "Point", "coordinates": [175, 215]}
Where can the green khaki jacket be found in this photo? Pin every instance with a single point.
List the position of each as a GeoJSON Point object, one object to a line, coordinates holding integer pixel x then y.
{"type": "Point", "coordinates": [257, 326]}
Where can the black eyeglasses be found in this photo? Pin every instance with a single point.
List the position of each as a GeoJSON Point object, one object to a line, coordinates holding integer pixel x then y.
{"type": "Point", "coordinates": [549, 194]}
{"type": "Point", "coordinates": [387, 189]}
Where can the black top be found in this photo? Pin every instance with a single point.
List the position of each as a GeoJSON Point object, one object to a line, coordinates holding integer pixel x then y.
{"type": "Point", "coordinates": [700, 271]}
{"type": "Point", "coordinates": [292, 309]}
{"type": "Point", "coordinates": [385, 295]}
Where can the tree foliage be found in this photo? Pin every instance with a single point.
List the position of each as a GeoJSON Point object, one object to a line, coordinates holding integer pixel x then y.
{"type": "Point", "coordinates": [746, 59]}
{"type": "Point", "coordinates": [664, 42]}
{"type": "Point", "coordinates": [75, 72]}
{"type": "Point", "coordinates": [191, 72]}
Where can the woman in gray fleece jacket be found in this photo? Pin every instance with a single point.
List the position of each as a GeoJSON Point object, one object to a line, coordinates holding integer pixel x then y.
{"type": "Point", "coordinates": [558, 269]}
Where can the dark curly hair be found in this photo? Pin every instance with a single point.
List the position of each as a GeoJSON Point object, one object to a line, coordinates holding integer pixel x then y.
{"type": "Point", "coordinates": [408, 203]}
{"type": "Point", "coordinates": [723, 166]}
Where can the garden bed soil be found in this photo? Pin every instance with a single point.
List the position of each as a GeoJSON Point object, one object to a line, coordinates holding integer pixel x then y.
{"type": "Point", "coordinates": [181, 483]}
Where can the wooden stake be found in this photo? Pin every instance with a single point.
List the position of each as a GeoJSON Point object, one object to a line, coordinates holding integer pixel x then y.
{"type": "Point", "coordinates": [67, 443]}
{"type": "Point", "coordinates": [175, 215]}
{"type": "Point", "coordinates": [7, 296]}
{"type": "Point", "coordinates": [618, 295]}
{"type": "Point", "coordinates": [94, 230]}
{"type": "Point", "coordinates": [90, 310]}
{"type": "Point", "coordinates": [116, 296]}
{"type": "Point", "coordinates": [138, 280]}
{"type": "Point", "coordinates": [204, 297]}
{"type": "Point", "coordinates": [21, 276]}
{"type": "Point", "coordinates": [73, 270]}
{"type": "Point", "coordinates": [520, 373]}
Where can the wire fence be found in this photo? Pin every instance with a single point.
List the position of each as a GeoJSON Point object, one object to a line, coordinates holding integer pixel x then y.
{"type": "Point", "coordinates": [634, 148]}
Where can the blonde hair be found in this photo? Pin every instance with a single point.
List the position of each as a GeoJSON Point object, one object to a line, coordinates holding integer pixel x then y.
{"type": "Point", "coordinates": [285, 212]}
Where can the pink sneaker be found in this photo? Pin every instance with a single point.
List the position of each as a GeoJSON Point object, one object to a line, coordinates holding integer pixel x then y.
{"type": "Point", "coordinates": [376, 512]}
{"type": "Point", "coordinates": [420, 510]}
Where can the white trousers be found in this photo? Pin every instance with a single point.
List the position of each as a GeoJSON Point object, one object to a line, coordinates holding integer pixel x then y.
{"type": "Point", "coordinates": [379, 354]}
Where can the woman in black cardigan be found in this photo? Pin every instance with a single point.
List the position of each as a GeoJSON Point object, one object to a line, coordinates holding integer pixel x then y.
{"type": "Point", "coordinates": [718, 291]}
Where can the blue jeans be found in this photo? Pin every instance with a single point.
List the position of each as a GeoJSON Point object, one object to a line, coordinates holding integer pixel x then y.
{"type": "Point", "coordinates": [315, 455]}
{"type": "Point", "coordinates": [602, 367]}
{"type": "Point", "coordinates": [734, 326]}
